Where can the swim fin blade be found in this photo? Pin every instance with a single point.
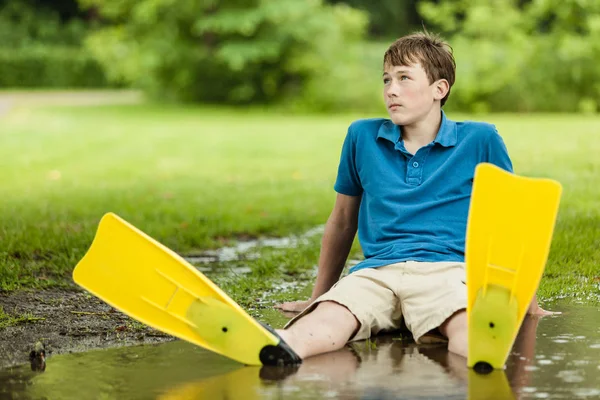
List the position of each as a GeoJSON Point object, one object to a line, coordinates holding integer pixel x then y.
{"type": "Point", "coordinates": [509, 232]}
{"type": "Point", "coordinates": [149, 282]}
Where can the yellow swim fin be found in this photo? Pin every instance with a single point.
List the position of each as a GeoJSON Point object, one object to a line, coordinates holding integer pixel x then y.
{"type": "Point", "coordinates": [509, 232]}
{"type": "Point", "coordinates": [152, 284]}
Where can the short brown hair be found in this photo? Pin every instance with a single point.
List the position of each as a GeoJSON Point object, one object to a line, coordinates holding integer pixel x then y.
{"type": "Point", "coordinates": [429, 50]}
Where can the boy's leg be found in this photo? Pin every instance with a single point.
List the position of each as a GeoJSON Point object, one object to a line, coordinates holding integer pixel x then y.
{"type": "Point", "coordinates": [327, 328]}
{"type": "Point", "coordinates": [455, 329]}
{"type": "Point", "coordinates": [434, 301]}
{"type": "Point", "coordinates": [357, 306]}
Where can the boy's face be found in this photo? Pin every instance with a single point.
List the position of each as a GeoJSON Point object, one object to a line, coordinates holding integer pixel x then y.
{"type": "Point", "coordinates": [407, 93]}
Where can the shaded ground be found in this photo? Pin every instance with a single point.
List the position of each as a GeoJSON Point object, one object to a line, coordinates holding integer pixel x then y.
{"type": "Point", "coordinates": [65, 321]}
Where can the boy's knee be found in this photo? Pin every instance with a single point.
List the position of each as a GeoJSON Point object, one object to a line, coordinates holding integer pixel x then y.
{"type": "Point", "coordinates": [455, 326]}
{"type": "Point", "coordinates": [326, 327]}
{"type": "Point", "coordinates": [336, 315]}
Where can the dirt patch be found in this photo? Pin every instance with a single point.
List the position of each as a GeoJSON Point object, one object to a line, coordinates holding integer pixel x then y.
{"type": "Point", "coordinates": [44, 98]}
{"type": "Point", "coordinates": [70, 97]}
{"type": "Point", "coordinates": [65, 321]}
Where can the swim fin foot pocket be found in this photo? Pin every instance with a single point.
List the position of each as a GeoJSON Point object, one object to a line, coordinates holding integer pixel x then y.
{"type": "Point", "coordinates": [280, 354]}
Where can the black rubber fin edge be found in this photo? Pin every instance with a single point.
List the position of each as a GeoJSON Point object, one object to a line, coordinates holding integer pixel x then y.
{"type": "Point", "coordinates": [279, 355]}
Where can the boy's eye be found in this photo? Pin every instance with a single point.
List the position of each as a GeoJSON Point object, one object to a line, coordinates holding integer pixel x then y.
{"type": "Point", "coordinates": [386, 80]}
{"type": "Point", "coordinates": [402, 78]}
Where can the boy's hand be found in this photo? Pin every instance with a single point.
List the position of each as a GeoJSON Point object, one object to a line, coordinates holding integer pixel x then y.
{"type": "Point", "coordinates": [294, 306]}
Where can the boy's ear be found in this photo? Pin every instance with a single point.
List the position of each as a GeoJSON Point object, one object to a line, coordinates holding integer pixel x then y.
{"type": "Point", "coordinates": [441, 88]}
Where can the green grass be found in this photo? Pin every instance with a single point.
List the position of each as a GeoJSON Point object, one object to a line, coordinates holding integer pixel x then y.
{"type": "Point", "coordinates": [197, 178]}
{"type": "Point", "coordinates": [12, 320]}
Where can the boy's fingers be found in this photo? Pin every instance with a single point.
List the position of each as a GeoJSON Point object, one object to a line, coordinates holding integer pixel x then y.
{"type": "Point", "coordinates": [292, 306]}
{"type": "Point", "coordinates": [285, 306]}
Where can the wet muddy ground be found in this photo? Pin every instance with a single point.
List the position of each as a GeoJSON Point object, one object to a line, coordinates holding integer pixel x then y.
{"type": "Point", "coordinates": [73, 321]}
{"type": "Point", "coordinates": [65, 321]}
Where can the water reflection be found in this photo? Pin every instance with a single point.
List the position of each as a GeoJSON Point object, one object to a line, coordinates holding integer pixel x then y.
{"type": "Point", "coordinates": [37, 357]}
{"type": "Point", "coordinates": [385, 368]}
{"type": "Point", "coordinates": [392, 371]}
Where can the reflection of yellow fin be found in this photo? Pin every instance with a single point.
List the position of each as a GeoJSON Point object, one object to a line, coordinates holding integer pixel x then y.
{"type": "Point", "coordinates": [142, 278]}
{"type": "Point", "coordinates": [241, 384]}
{"type": "Point", "coordinates": [493, 386]}
{"type": "Point", "coordinates": [510, 228]}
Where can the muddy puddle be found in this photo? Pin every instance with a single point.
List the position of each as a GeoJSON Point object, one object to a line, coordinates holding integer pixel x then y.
{"type": "Point", "coordinates": [247, 250]}
{"type": "Point", "coordinates": [554, 357]}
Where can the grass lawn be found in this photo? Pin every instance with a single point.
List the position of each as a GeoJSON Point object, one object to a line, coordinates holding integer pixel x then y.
{"type": "Point", "coordinates": [196, 178]}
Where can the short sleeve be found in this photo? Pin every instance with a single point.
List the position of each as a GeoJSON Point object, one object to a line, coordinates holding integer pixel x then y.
{"type": "Point", "coordinates": [496, 152]}
{"type": "Point", "coordinates": [348, 180]}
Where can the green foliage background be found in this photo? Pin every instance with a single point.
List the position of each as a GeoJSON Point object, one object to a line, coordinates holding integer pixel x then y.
{"type": "Point", "coordinates": [39, 49]}
{"type": "Point", "coordinates": [537, 55]}
{"type": "Point", "coordinates": [233, 52]}
{"type": "Point", "coordinates": [313, 55]}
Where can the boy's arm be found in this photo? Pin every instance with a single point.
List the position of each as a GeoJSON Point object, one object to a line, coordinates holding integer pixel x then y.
{"type": "Point", "coordinates": [340, 231]}
{"type": "Point", "coordinates": [339, 234]}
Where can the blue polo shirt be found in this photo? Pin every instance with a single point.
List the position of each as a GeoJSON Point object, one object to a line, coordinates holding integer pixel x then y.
{"type": "Point", "coordinates": [414, 207]}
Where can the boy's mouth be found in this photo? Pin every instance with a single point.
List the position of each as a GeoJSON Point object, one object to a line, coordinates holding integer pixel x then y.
{"type": "Point", "coordinates": [393, 106]}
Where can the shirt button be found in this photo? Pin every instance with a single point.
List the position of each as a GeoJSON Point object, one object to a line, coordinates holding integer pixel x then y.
{"type": "Point", "coordinates": [415, 164]}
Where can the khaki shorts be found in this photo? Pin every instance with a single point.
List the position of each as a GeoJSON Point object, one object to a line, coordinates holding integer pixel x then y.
{"type": "Point", "coordinates": [422, 294]}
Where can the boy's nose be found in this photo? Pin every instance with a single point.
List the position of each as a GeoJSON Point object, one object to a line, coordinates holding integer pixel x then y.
{"type": "Point", "coordinates": [393, 91]}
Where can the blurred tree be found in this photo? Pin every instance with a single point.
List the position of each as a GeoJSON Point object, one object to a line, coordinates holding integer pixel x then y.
{"type": "Point", "coordinates": [522, 54]}
{"type": "Point", "coordinates": [226, 51]}
{"type": "Point", "coordinates": [64, 9]}
{"type": "Point", "coordinates": [41, 46]}
{"type": "Point", "coordinates": [23, 23]}
{"type": "Point", "coordinates": [388, 18]}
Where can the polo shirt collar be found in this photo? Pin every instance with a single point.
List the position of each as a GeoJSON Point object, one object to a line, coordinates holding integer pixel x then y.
{"type": "Point", "coordinates": [389, 131]}
{"type": "Point", "coordinates": [446, 135]}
